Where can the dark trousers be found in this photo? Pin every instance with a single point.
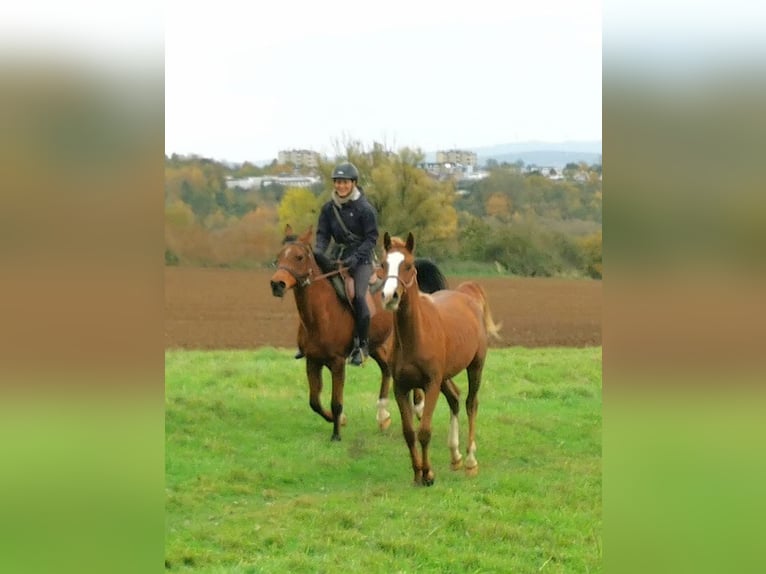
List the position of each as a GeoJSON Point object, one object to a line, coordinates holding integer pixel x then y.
{"type": "Point", "coordinates": [361, 275]}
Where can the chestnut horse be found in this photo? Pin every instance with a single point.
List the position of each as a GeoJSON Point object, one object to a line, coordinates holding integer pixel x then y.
{"type": "Point", "coordinates": [435, 337]}
{"type": "Point", "coordinates": [325, 332]}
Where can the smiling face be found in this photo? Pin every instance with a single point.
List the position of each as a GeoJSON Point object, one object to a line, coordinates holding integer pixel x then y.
{"type": "Point", "coordinates": [343, 187]}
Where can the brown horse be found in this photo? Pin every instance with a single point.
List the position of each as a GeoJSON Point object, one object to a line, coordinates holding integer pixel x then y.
{"type": "Point", "coordinates": [435, 337]}
{"type": "Point", "coordinates": [325, 332]}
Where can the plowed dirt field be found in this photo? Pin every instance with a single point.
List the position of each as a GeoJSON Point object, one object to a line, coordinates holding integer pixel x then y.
{"type": "Point", "coordinates": [234, 309]}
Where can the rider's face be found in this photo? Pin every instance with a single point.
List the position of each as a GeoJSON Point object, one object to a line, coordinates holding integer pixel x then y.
{"type": "Point", "coordinates": [343, 187]}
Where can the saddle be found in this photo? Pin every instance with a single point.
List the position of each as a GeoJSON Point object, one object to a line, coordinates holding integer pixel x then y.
{"type": "Point", "coordinates": [344, 287]}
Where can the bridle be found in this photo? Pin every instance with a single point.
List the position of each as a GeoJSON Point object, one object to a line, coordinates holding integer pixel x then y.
{"type": "Point", "coordinates": [409, 283]}
{"type": "Point", "coordinates": [308, 278]}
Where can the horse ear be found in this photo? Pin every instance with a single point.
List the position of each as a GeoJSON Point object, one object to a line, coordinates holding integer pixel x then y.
{"type": "Point", "coordinates": [306, 237]}
{"type": "Point", "coordinates": [410, 242]}
{"type": "Point", "coordinates": [386, 241]}
{"type": "Point", "coordinates": [288, 230]}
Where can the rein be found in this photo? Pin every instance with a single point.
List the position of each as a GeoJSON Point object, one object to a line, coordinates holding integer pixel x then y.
{"type": "Point", "coordinates": [306, 280]}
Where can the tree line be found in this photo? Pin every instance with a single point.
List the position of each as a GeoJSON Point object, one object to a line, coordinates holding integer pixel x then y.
{"type": "Point", "coordinates": [510, 221]}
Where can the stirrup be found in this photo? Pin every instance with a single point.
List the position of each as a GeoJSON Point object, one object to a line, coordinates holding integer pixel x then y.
{"type": "Point", "coordinates": [357, 357]}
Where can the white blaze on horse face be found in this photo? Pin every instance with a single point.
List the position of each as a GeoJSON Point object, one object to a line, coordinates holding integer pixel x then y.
{"type": "Point", "coordinates": [394, 260]}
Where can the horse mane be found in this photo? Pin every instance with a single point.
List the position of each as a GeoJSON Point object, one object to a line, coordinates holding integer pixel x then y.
{"type": "Point", "coordinates": [430, 277]}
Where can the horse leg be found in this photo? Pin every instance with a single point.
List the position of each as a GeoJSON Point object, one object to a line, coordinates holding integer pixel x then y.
{"type": "Point", "coordinates": [338, 370]}
{"type": "Point", "coordinates": [424, 431]}
{"type": "Point", "coordinates": [314, 374]}
{"type": "Point", "coordinates": [419, 400]}
{"type": "Point", "coordinates": [472, 407]}
{"type": "Point", "coordinates": [405, 409]}
{"type": "Point", "coordinates": [452, 394]}
{"type": "Point", "coordinates": [383, 416]}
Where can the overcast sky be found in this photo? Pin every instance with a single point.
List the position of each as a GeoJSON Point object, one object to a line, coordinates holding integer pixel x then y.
{"type": "Point", "coordinates": [245, 80]}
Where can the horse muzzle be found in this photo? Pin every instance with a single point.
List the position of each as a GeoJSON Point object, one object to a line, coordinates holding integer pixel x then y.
{"type": "Point", "coordinates": [391, 302]}
{"type": "Point", "coordinates": [278, 288]}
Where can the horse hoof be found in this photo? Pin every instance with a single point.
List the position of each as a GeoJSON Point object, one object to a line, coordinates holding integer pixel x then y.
{"type": "Point", "coordinates": [456, 465]}
{"type": "Point", "coordinates": [383, 425]}
{"type": "Point", "coordinates": [343, 420]}
{"type": "Point", "coordinates": [428, 481]}
{"type": "Point", "coordinates": [473, 471]}
{"type": "Point", "coordinates": [335, 438]}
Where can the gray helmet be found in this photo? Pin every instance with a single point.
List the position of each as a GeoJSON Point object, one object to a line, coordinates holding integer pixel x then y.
{"type": "Point", "coordinates": [345, 171]}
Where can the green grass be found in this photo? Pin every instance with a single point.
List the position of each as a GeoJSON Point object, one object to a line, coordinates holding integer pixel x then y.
{"type": "Point", "coordinates": [253, 483]}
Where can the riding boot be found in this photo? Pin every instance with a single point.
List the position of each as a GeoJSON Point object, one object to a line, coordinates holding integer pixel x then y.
{"type": "Point", "coordinates": [356, 358]}
{"type": "Point", "coordinates": [361, 345]}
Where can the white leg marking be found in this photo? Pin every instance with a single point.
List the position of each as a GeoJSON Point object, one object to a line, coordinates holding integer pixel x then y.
{"type": "Point", "coordinates": [419, 408]}
{"type": "Point", "coordinates": [470, 460]}
{"type": "Point", "coordinates": [383, 414]}
{"type": "Point", "coordinates": [453, 440]}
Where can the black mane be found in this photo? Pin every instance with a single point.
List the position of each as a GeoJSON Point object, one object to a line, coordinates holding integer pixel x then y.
{"type": "Point", "coordinates": [430, 277]}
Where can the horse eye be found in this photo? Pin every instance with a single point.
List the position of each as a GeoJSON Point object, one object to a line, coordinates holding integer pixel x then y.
{"type": "Point", "coordinates": [299, 257]}
{"type": "Point", "coordinates": [408, 267]}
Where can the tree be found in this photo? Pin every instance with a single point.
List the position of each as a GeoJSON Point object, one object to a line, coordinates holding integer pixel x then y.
{"type": "Point", "coordinates": [299, 208]}
{"type": "Point", "coordinates": [409, 199]}
{"type": "Point", "coordinates": [178, 214]}
{"type": "Point", "coordinates": [591, 246]}
{"type": "Point", "coordinates": [498, 205]}
{"type": "Point", "coordinates": [404, 195]}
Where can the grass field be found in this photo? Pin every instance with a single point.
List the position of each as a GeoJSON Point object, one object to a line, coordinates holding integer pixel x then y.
{"type": "Point", "coordinates": [253, 483]}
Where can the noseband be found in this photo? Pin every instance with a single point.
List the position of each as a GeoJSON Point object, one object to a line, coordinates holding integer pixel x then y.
{"type": "Point", "coordinates": [306, 280]}
{"type": "Point", "coordinates": [409, 283]}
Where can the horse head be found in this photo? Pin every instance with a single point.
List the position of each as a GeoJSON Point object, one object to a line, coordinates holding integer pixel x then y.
{"type": "Point", "coordinates": [295, 265]}
{"type": "Point", "coordinates": [399, 269]}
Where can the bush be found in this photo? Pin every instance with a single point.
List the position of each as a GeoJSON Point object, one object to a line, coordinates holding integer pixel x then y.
{"type": "Point", "coordinates": [171, 259]}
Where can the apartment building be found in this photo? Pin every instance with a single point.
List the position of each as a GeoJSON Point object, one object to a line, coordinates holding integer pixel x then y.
{"type": "Point", "coordinates": [462, 157]}
{"type": "Point", "coordinates": [299, 157]}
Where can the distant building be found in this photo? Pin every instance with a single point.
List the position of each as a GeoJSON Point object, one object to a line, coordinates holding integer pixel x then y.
{"type": "Point", "coordinates": [456, 156]}
{"type": "Point", "coordinates": [244, 183]}
{"type": "Point", "coordinates": [299, 157]}
{"type": "Point", "coordinates": [545, 170]}
{"type": "Point", "coordinates": [291, 181]}
{"type": "Point", "coordinates": [269, 180]}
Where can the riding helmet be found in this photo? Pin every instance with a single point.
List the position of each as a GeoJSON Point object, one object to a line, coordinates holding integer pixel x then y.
{"type": "Point", "coordinates": [345, 171]}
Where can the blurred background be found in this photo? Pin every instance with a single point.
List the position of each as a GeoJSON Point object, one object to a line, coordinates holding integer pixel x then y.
{"type": "Point", "coordinates": [81, 261]}
{"type": "Point", "coordinates": [81, 355]}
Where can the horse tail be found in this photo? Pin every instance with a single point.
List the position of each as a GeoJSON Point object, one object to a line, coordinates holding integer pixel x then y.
{"type": "Point", "coordinates": [477, 291]}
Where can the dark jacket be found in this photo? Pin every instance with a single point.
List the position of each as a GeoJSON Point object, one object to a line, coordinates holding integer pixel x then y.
{"type": "Point", "coordinates": [361, 220]}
